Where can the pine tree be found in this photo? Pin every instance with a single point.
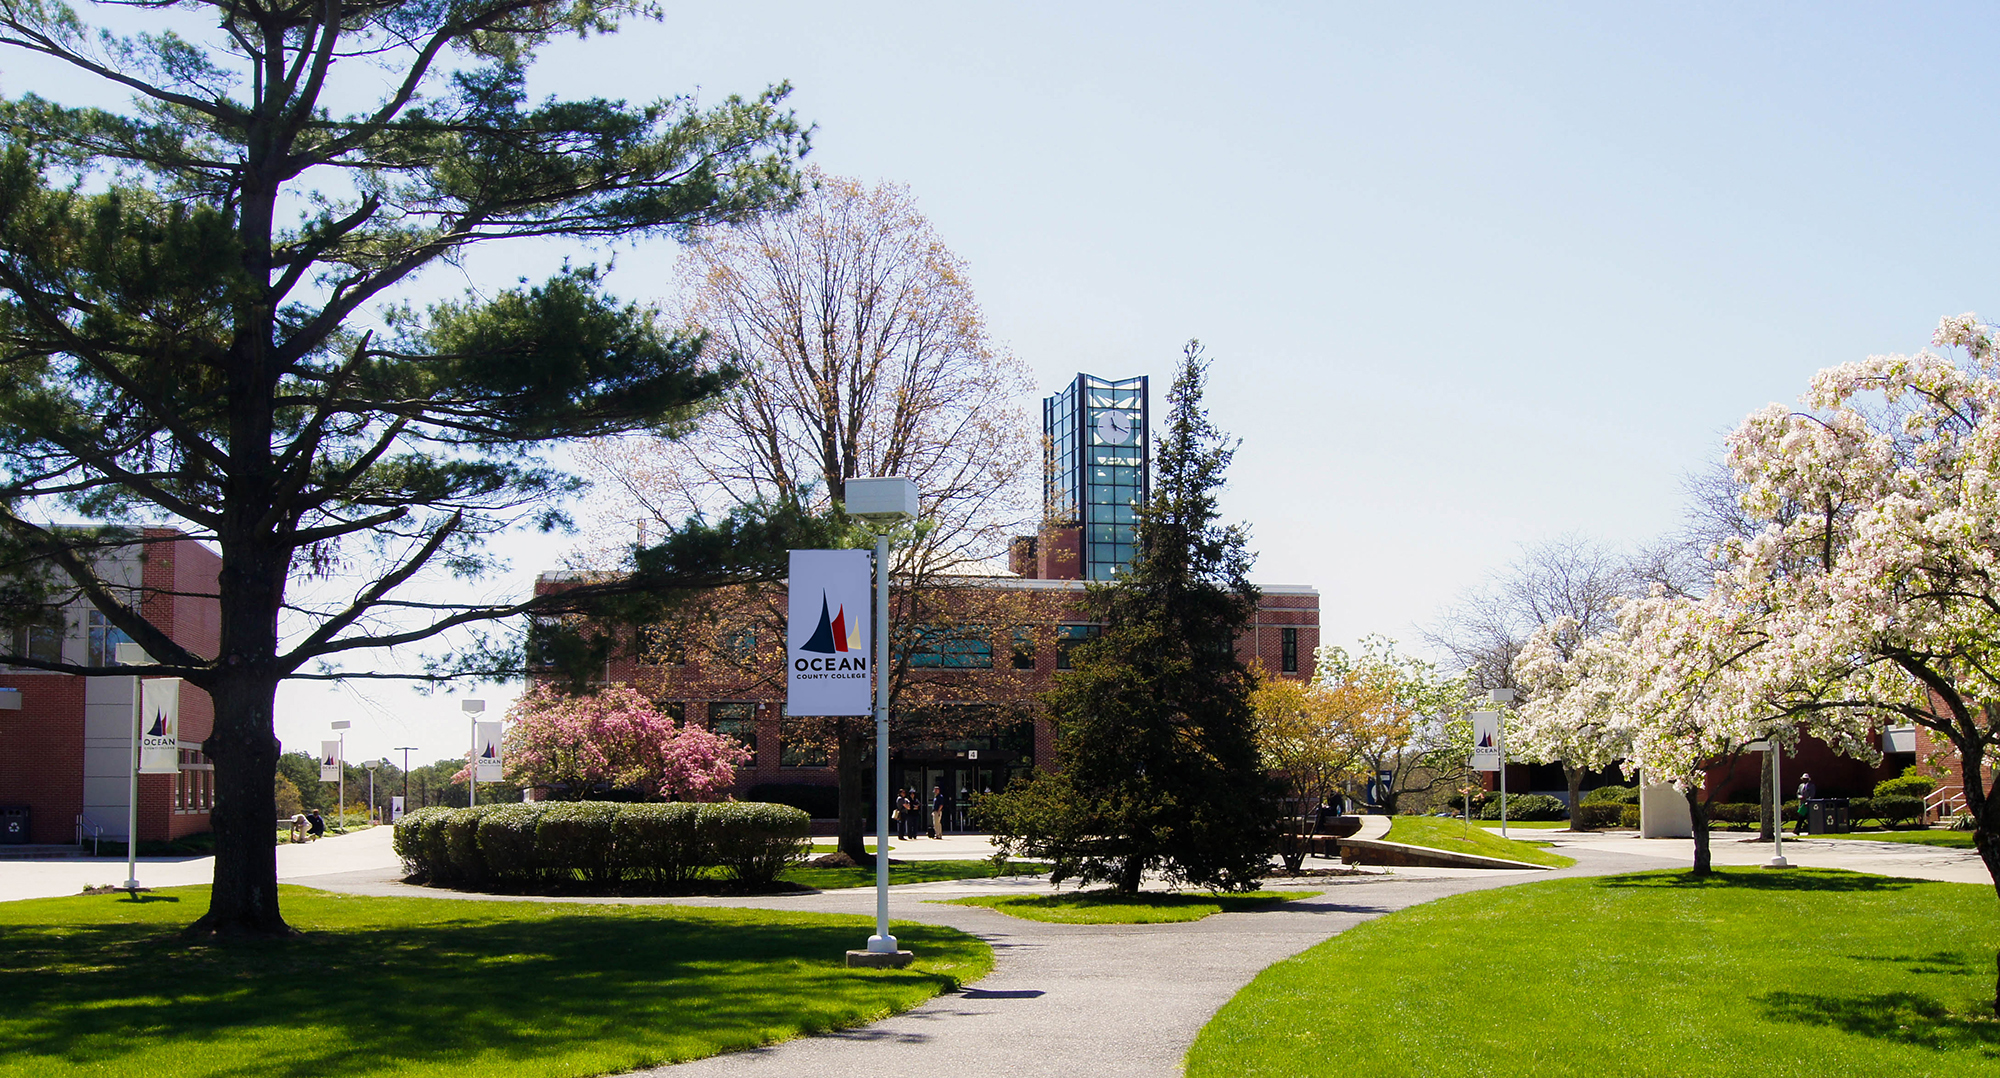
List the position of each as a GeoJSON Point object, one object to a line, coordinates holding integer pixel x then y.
{"type": "Point", "coordinates": [1157, 762]}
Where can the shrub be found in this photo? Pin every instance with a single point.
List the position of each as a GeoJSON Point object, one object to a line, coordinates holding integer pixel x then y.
{"type": "Point", "coordinates": [463, 864]}
{"type": "Point", "coordinates": [577, 836]}
{"type": "Point", "coordinates": [754, 842]}
{"type": "Point", "coordinates": [656, 842]}
{"type": "Point", "coordinates": [506, 837]}
{"type": "Point", "coordinates": [1731, 812]}
{"type": "Point", "coordinates": [1614, 795]}
{"type": "Point", "coordinates": [1861, 808]}
{"type": "Point", "coordinates": [419, 840]}
{"type": "Point", "coordinates": [1526, 807]}
{"type": "Point", "coordinates": [1592, 815]}
{"type": "Point", "coordinates": [1894, 810]}
{"type": "Point", "coordinates": [1628, 816]}
{"type": "Point", "coordinates": [817, 801]}
{"type": "Point", "coordinates": [1906, 785]}
{"type": "Point", "coordinates": [1962, 821]}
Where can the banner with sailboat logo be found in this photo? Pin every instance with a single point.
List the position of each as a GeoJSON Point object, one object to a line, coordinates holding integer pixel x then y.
{"type": "Point", "coordinates": [160, 726]}
{"type": "Point", "coordinates": [827, 638]}
{"type": "Point", "coordinates": [1486, 741]}
{"type": "Point", "coordinates": [486, 751]}
{"type": "Point", "coordinates": [329, 761]}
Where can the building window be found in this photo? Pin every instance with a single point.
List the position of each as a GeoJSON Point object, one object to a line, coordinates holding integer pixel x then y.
{"type": "Point", "coordinates": [676, 710]}
{"type": "Point", "coordinates": [795, 749]}
{"type": "Point", "coordinates": [964, 647]}
{"type": "Point", "coordinates": [737, 720]}
{"type": "Point", "coordinates": [104, 639]}
{"type": "Point", "coordinates": [1024, 649]}
{"type": "Point", "coordinates": [42, 642]}
{"type": "Point", "coordinates": [737, 645]}
{"type": "Point", "coordinates": [1288, 651]}
{"type": "Point", "coordinates": [1068, 637]}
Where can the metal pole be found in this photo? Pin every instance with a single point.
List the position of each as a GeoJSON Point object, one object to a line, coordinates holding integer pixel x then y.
{"type": "Point", "coordinates": [405, 750]}
{"type": "Point", "coordinates": [343, 782]}
{"type": "Point", "coordinates": [132, 801]}
{"type": "Point", "coordinates": [1777, 807]}
{"type": "Point", "coordinates": [882, 942]}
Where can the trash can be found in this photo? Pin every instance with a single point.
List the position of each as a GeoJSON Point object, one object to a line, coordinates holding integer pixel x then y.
{"type": "Point", "coordinates": [1826, 815]}
{"type": "Point", "coordinates": [14, 825]}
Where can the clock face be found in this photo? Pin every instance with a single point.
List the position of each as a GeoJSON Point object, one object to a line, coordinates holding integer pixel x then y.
{"type": "Point", "coordinates": [1114, 427]}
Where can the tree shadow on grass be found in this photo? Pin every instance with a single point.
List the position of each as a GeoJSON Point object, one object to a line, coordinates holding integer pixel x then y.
{"type": "Point", "coordinates": [611, 990]}
{"type": "Point", "coordinates": [1758, 879]}
{"type": "Point", "coordinates": [1903, 1017]}
{"type": "Point", "coordinates": [1936, 962]}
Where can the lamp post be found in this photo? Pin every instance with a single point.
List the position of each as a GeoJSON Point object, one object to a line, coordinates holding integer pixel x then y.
{"type": "Point", "coordinates": [405, 750]}
{"type": "Point", "coordinates": [472, 709]}
{"type": "Point", "coordinates": [342, 725]}
{"type": "Point", "coordinates": [371, 765]}
{"type": "Point", "coordinates": [881, 503]}
{"type": "Point", "coordinates": [1777, 753]}
{"type": "Point", "coordinates": [130, 654]}
{"type": "Point", "coordinates": [1501, 698]}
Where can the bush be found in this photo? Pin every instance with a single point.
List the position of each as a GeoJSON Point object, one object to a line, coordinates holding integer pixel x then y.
{"type": "Point", "coordinates": [1526, 807]}
{"type": "Point", "coordinates": [1628, 816]}
{"type": "Point", "coordinates": [755, 842]}
{"type": "Point", "coordinates": [1612, 795]}
{"type": "Point", "coordinates": [1732, 812]}
{"type": "Point", "coordinates": [607, 843]}
{"type": "Point", "coordinates": [656, 842]}
{"type": "Point", "coordinates": [506, 837]}
{"type": "Point", "coordinates": [419, 840]}
{"type": "Point", "coordinates": [1861, 808]}
{"type": "Point", "coordinates": [1907, 784]}
{"type": "Point", "coordinates": [815, 800]}
{"type": "Point", "coordinates": [1962, 822]}
{"type": "Point", "coordinates": [1894, 810]}
{"type": "Point", "coordinates": [1592, 815]}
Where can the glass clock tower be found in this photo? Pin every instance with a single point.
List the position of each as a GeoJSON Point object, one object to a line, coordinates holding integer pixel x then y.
{"type": "Point", "coordinates": [1097, 473]}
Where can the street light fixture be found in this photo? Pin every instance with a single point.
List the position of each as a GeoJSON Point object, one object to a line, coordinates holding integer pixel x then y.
{"type": "Point", "coordinates": [472, 709]}
{"type": "Point", "coordinates": [342, 725]}
{"type": "Point", "coordinates": [881, 503]}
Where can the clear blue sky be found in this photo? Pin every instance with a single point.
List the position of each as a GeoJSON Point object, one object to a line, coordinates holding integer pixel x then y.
{"type": "Point", "coordinates": [1472, 275]}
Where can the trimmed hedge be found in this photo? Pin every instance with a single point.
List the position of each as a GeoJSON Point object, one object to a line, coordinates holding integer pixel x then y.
{"type": "Point", "coordinates": [1526, 807]}
{"type": "Point", "coordinates": [1918, 786]}
{"type": "Point", "coordinates": [1893, 810]}
{"type": "Point", "coordinates": [1592, 815]}
{"type": "Point", "coordinates": [1628, 816]}
{"type": "Point", "coordinates": [1612, 795]}
{"type": "Point", "coordinates": [602, 843]}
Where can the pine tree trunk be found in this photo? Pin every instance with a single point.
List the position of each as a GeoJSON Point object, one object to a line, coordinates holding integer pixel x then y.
{"type": "Point", "coordinates": [855, 771]}
{"type": "Point", "coordinates": [244, 898]}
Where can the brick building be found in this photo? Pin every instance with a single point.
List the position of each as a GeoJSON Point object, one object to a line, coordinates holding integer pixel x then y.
{"type": "Point", "coordinates": [65, 740]}
{"type": "Point", "coordinates": [971, 653]}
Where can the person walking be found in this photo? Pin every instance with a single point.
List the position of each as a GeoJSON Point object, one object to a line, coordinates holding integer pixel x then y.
{"type": "Point", "coordinates": [937, 811]}
{"type": "Point", "coordinates": [1807, 792]}
{"type": "Point", "coordinates": [900, 812]}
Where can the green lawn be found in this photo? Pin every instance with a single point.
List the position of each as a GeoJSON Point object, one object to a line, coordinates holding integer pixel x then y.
{"type": "Point", "coordinates": [829, 879]}
{"type": "Point", "coordinates": [1805, 972]}
{"type": "Point", "coordinates": [422, 986]}
{"type": "Point", "coordinates": [1530, 825]}
{"type": "Point", "coordinates": [1441, 834]}
{"type": "Point", "coordinates": [1956, 840]}
{"type": "Point", "coordinates": [1112, 908]}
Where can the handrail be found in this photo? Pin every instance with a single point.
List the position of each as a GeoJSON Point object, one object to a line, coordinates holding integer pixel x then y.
{"type": "Point", "coordinates": [1942, 799]}
{"type": "Point", "coordinates": [96, 832]}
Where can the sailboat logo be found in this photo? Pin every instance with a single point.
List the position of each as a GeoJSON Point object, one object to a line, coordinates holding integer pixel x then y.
{"type": "Point", "coordinates": [1486, 741]}
{"type": "Point", "coordinates": [159, 725]}
{"type": "Point", "coordinates": [832, 636]}
{"type": "Point", "coordinates": [490, 752]}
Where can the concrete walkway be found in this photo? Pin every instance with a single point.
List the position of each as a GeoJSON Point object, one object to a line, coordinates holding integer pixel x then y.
{"type": "Point", "coordinates": [367, 850]}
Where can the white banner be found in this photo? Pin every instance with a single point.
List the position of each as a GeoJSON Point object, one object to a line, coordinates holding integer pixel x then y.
{"type": "Point", "coordinates": [1486, 741]}
{"type": "Point", "coordinates": [395, 809]}
{"type": "Point", "coordinates": [827, 639]}
{"type": "Point", "coordinates": [486, 751]}
{"type": "Point", "coordinates": [329, 761]}
{"type": "Point", "coordinates": [160, 726]}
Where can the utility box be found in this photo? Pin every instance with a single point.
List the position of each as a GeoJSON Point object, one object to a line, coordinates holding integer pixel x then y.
{"type": "Point", "coordinates": [14, 821]}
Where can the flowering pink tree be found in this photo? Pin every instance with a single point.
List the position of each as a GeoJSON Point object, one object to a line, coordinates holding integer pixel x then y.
{"type": "Point", "coordinates": [614, 739]}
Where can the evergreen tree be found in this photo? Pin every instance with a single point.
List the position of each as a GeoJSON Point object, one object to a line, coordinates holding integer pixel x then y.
{"type": "Point", "coordinates": [1157, 765]}
{"type": "Point", "coordinates": [206, 321]}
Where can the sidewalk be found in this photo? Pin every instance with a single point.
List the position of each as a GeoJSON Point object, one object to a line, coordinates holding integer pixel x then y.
{"type": "Point", "coordinates": [367, 850]}
{"type": "Point", "coordinates": [1725, 848]}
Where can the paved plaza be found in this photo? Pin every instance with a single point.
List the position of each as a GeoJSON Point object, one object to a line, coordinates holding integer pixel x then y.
{"type": "Point", "coordinates": [1108, 1000]}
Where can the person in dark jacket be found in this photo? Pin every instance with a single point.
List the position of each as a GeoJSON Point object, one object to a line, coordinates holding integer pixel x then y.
{"type": "Point", "coordinates": [937, 811]}
{"type": "Point", "coordinates": [1807, 791]}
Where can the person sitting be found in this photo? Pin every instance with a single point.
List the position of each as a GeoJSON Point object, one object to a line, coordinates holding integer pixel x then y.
{"type": "Point", "coordinates": [298, 827]}
{"type": "Point", "coordinates": [316, 824]}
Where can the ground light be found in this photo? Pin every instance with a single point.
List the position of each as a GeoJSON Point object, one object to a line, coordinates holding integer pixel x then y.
{"type": "Point", "coordinates": [881, 503]}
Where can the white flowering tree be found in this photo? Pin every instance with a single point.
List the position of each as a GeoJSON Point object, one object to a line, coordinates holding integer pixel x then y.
{"type": "Point", "coordinates": [1569, 713]}
{"type": "Point", "coordinates": [1878, 559]}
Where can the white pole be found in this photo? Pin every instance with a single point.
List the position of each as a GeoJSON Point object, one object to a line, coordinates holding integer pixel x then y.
{"type": "Point", "coordinates": [343, 782]}
{"type": "Point", "coordinates": [882, 942]}
{"type": "Point", "coordinates": [1502, 697]}
{"type": "Point", "coordinates": [132, 800]}
{"type": "Point", "coordinates": [1777, 807]}
{"type": "Point", "coordinates": [472, 762]}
